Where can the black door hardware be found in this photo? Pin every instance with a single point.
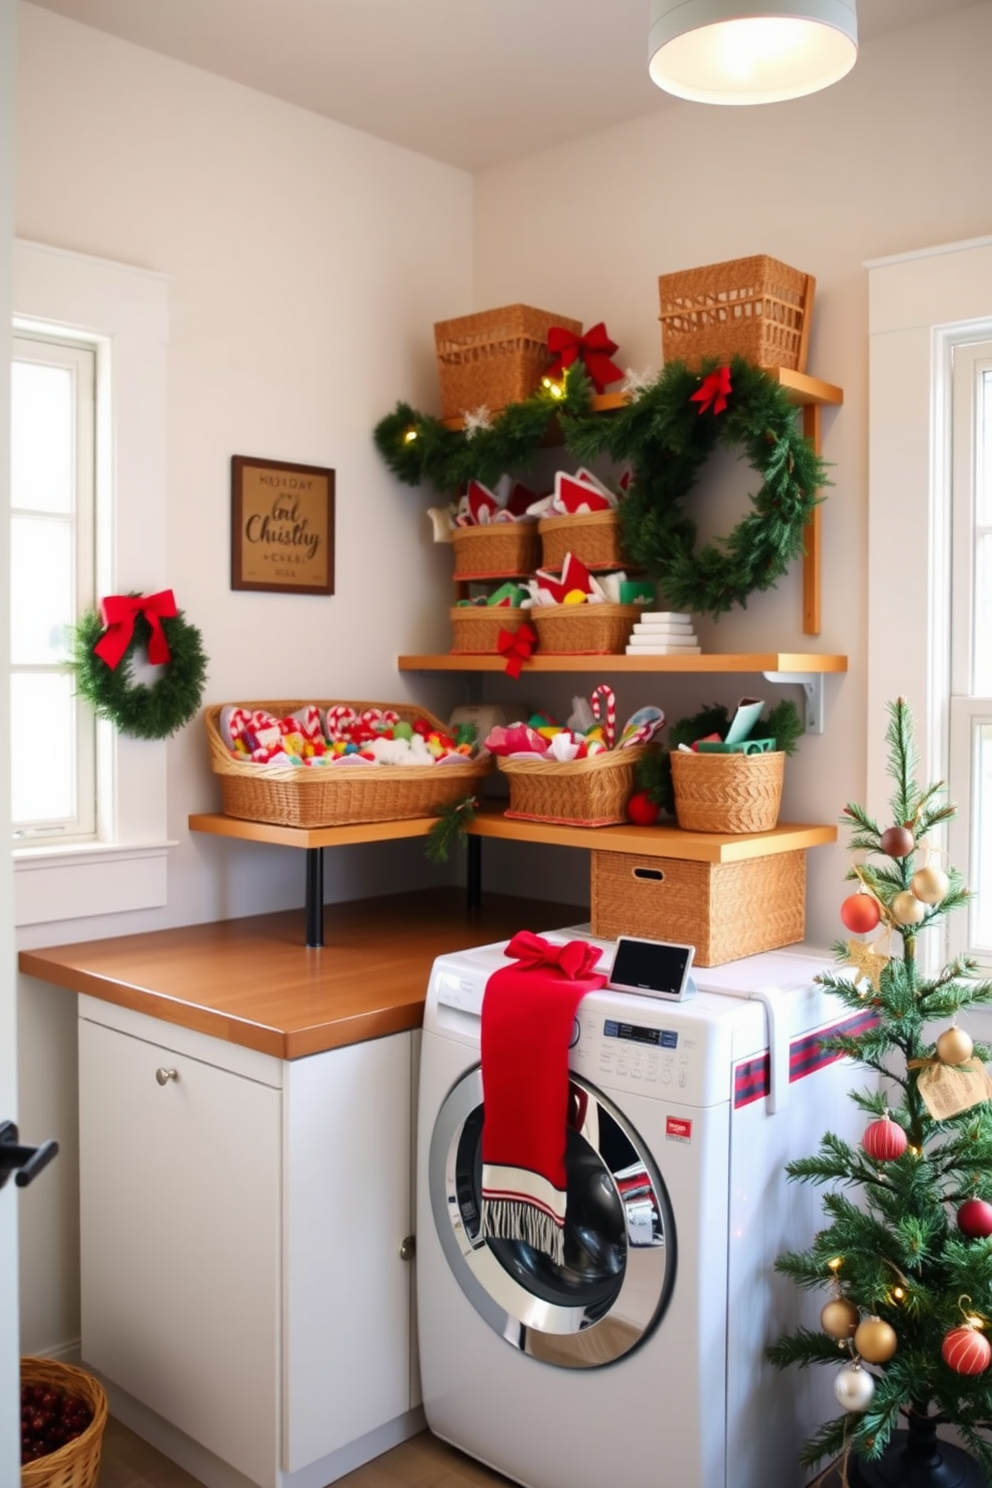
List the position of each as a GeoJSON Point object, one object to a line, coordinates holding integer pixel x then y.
{"type": "Point", "coordinates": [28, 1161]}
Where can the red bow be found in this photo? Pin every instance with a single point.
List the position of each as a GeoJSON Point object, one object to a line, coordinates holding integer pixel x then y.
{"type": "Point", "coordinates": [516, 646]}
{"type": "Point", "coordinates": [576, 959]}
{"type": "Point", "coordinates": [119, 612]}
{"type": "Point", "coordinates": [593, 349]}
{"type": "Point", "coordinates": [714, 390]}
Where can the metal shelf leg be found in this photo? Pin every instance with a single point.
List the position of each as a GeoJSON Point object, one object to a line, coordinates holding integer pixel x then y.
{"type": "Point", "coordinates": [315, 897]}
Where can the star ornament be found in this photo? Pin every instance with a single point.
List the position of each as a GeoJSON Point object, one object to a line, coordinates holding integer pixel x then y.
{"type": "Point", "coordinates": [477, 420]}
{"type": "Point", "coordinates": [635, 383]}
{"type": "Point", "coordinates": [869, 962]}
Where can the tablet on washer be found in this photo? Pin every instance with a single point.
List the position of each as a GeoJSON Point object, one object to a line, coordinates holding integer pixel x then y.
{"type": "Point", "coordinates": [654, 968]}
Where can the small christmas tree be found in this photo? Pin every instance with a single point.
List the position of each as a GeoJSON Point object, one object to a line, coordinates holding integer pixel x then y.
{"type": "Point", "coordinates": [906, 1256]}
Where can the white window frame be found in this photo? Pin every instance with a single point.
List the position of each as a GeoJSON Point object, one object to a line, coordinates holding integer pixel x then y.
{"type": "Point", "coordinates": [921, 306]}
{"type": "Point", "coordinates": [124, 311]}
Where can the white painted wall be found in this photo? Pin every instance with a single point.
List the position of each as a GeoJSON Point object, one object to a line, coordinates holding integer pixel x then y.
{"type": "Point", "coordinates": [308, 264]}
{"type": "Point", "coordinates": [893, 158]}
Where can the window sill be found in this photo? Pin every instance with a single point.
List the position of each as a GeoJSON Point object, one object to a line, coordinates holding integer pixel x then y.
{"type": "Point", "coordinates": [68, 881]}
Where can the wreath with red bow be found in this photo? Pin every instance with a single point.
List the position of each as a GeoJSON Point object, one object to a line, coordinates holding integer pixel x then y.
{"type": "Point", "coordinates": [104, 644]}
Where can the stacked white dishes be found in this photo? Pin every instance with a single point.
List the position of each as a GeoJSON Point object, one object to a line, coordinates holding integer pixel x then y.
{"type": "Point", "coordinates": [663, 633]}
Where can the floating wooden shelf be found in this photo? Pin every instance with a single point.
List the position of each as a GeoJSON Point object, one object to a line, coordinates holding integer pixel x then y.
{"type": "Point", "coordinates": [746, 661]}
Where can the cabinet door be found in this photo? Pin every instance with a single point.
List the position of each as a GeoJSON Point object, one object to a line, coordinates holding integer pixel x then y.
{"type": "Point", "coordinates": [180, 1215]}
{"type": "Point", "coordinates": [348, 1209]}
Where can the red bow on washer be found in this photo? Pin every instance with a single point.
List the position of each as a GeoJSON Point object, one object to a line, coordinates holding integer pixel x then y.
{"type": "Point", "coordinates": [594, 350]}
{"type": "Point", "coordinates": [119, 612]}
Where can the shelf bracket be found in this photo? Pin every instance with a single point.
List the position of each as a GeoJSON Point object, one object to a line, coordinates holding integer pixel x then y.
{"type": "Point", "coordinates": [812, 685]}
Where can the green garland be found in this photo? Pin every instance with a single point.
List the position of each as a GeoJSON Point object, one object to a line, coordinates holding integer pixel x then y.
{"type": "Point", "coordinates": [667, 439]}
{"type": "Point", "coordinates": [133, 708]}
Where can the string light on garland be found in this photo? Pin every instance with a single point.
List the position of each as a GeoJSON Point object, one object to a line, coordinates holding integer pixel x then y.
{"type": "Point", "coordinates": [104, 647]}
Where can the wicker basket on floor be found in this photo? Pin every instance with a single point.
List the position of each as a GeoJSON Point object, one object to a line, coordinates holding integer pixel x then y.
{"type": "Point", "coordinates": [727, 792]}
{"type": "Point", "coordinates": [757, 308]}
{"type": "Point", "coordinates": [476, 628]}
{"type": "Point", "coordinates": [495, 357]}
{"type": "Point", "coordinates": [498, 550]}
{"type": "Point", "coordinates": [77, 1464]}
{"type": "Point", "coordinates": [586, 793]}
{"type": "Point", "coordinates": [585, 629]}
{"type": "Point", "coordinates": [335, 795]}
{"type": "Point", "coordinates": [594, 537]}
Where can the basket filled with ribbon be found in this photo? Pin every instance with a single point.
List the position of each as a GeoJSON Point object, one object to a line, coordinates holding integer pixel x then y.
{"type": "Point", "coordinates": [580, 773]}
{"type": "Point", "coordinates": [330, 763]}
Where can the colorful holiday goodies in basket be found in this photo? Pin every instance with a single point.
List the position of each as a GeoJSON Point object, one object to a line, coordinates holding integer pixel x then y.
{"type": "Point", "coordinates": [492, 532]}
{"type": "Point", "coordinates": [478, 623]}
{"type": "Point", "coordinates": [579, 773]}
{"type": "Point", "coordinates": [582, 517]}
{"type": "Point", "coordinates": [579, 613]}
{"type": "Point", "coordinates": [63, 1417]}
{"type": "Point", "coordinates": [369, 762]}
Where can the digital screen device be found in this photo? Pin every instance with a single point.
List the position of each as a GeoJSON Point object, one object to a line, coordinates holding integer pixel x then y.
{"type": "Point", "coordinates": [654, 968]}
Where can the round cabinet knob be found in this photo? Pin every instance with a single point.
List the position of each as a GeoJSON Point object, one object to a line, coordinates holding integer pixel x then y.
{"type": "Point", "coordinates": [408, 1248]}
{"type": "Point", "coordinates": [163, 1076]}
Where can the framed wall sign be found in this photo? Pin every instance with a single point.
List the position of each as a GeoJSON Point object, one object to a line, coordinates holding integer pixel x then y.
{"type": "Point", "coordinates": [282, 526]}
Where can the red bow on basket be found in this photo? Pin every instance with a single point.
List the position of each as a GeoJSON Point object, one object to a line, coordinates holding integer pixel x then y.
{"type": "Point", "coordinates": [119, 612]}
{"type": "Point", "coordinates": [517, 646]}
{"type": "Point", "coordinates": [594, 350]}
{"type": "Point", "coordinates": [713, 391]}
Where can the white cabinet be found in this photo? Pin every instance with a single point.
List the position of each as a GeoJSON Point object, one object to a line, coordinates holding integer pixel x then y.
{"type": "Point", "coordinates": [242, 1221]}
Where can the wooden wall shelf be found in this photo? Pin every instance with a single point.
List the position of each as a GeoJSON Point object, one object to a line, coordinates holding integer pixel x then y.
{"type": "Point", "coordinates": [748, 661]}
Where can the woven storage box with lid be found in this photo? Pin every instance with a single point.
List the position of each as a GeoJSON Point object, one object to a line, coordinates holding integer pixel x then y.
{"type": "Point", "coordinates": [476, 628]}
{"type": "Point", "coordinates": [335, 795]}
{"type": "Point", "coordinates": [586, 793]}
{"type": "Point", "coordinates": [497, 550]}
{"type": "Point", "coordinates": [727, 792]}
{"type": "Point", "coordinates": [725, 910]}
{"type": "Point", "coordinates": [494, 357]}
{"type": "Point", "coordinates": [592, 536]}
{"type": "Point", "coordinates": [584, 629]}
{"type": "Point", "coordinates": [757, 308]}
{"type": "Point", "coordinates": [77, 1464]}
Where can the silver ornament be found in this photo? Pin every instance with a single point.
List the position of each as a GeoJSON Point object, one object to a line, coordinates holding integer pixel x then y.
{"type": "Point", "coordinates": [854, 1388]}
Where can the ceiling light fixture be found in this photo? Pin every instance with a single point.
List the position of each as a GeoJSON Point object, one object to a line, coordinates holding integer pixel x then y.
{"type": "Point", "coordinates": [739, 51]}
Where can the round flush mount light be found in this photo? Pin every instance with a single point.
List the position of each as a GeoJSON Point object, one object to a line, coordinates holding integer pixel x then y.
{"type": "Point", "coordinates": [735, 52]}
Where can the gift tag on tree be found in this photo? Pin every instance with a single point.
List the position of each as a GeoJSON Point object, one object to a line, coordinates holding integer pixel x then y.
{"type": "Point", "coordinates": [948, 1090]}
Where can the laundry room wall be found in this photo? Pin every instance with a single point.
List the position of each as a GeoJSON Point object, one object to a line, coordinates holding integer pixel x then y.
{"type": "Point", "coordinates": [308, 262]}
{"type": "Point", "coordinates": [893, 158]}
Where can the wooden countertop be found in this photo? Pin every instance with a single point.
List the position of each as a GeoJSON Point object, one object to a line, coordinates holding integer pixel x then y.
{"type": "Point", "coordinates": [253, 982]}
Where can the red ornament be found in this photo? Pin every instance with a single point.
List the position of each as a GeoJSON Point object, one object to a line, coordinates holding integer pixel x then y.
{"type": "Point", "coordinates": [975, 1219]}
{"type": "Point", "coordinates": [884, 1140]}
{"type": "Point", "coordinates": [860, 913]}
{"type": "Point", "coordinates": [898, 842]}
{"type": "Point", "coordinates": [642, 810]}
{"type": "Point", "coordinates": [966, 1350]}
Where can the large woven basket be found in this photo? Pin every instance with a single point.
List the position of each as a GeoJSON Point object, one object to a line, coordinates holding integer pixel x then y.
{"type": "Point", "coordinates": [593, 536]}
{"type": "Point", "coordinates": [585, 629]}
{"type": "Point", "coordinates": [494, 357]}
{"type": "Point", "coordinates": [586, 793]}
{"type": "Point", "coordinates": [727, 792]}
{"type": "Point", "coordinates": [77, 1464]}
{"type": "Point", "coordinates": [476, 628]}
{"type": "Point", "coordinates": [335, 795]}
{"type": "Point", "coordinates": [497, 551]}
{"type": "Point", "coordinates": [725, 910]}
{"type": "Point", "coordinates": [757, 308]}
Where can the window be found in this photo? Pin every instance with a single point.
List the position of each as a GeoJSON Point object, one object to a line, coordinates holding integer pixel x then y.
{"type": "Point", "coordinates": [53, 782]}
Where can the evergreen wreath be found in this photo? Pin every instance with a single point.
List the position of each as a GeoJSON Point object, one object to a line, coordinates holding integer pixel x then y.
{"type": "Point", "coordinates": [666, 432]}
{"type": "Point", "coordinates": [132, 707]}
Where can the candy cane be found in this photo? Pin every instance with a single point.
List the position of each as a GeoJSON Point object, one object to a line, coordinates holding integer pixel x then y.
{"type": "Point", "coordinates": [604, 700]}
{"type": "Point", "coordinates": [340, 718]}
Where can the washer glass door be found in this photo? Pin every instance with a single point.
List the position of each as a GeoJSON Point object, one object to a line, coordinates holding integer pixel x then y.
{"type": "Point", "coordinates": [619, 1266]}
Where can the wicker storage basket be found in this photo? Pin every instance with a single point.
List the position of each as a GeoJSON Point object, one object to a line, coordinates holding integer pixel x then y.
{"type": "Point", "coordinates": [725, 910]}
{"type": "Point", "coordinates": [334, 796]}
{"type": "Point", "coordinates": [727, 792]}
{"type": "Point", "coordinates": [497, 551]}
{"type": "Point", "coordinates": [587, 793]}
{"type": "Point", "coordinates": [757, 308]}
{"type": "Point", "coordinates": [495, 357]}
{"type": "Point", "coordinates": [585, 629]}
{"type": "Point", "coordinates": [593, 536]}
{"type": "Point", "coordinates": [476, 628]}
{"type": "Point", "coordinates": [77, 1464]}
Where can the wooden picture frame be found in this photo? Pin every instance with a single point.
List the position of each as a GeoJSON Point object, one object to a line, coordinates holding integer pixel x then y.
{"type": "Point", "coordinates": [282, 526]}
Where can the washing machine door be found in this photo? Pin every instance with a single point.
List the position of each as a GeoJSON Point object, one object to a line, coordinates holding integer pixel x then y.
{"type": "Point", "coordinates": [619, 1267]}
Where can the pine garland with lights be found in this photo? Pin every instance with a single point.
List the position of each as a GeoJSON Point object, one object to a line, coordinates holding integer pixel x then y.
{"type": "Point", "coordinates": [908, 1267]}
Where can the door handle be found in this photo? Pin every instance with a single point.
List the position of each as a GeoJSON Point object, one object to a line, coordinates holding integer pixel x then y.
{"type": "Point", "coordinates": [28, 1161]}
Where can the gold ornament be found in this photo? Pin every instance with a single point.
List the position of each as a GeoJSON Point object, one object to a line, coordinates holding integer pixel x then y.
{"type": "Point", "coordinates": [840, 1318]}
{"type": "Point", "coordinates": [869, 962]}
{"type": "Point", "coordinates": [930, 885]}
{"type": "Point", "coordinates": [954, 1046]}
{"type": "Point", "coordinates": [875, 1340]}
{"type": "Point", "coordinates": [906, 909]}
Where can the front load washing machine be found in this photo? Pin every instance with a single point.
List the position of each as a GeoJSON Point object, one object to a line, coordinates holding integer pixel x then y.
{"type": "Point", "coordinates": [639, 1360]}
